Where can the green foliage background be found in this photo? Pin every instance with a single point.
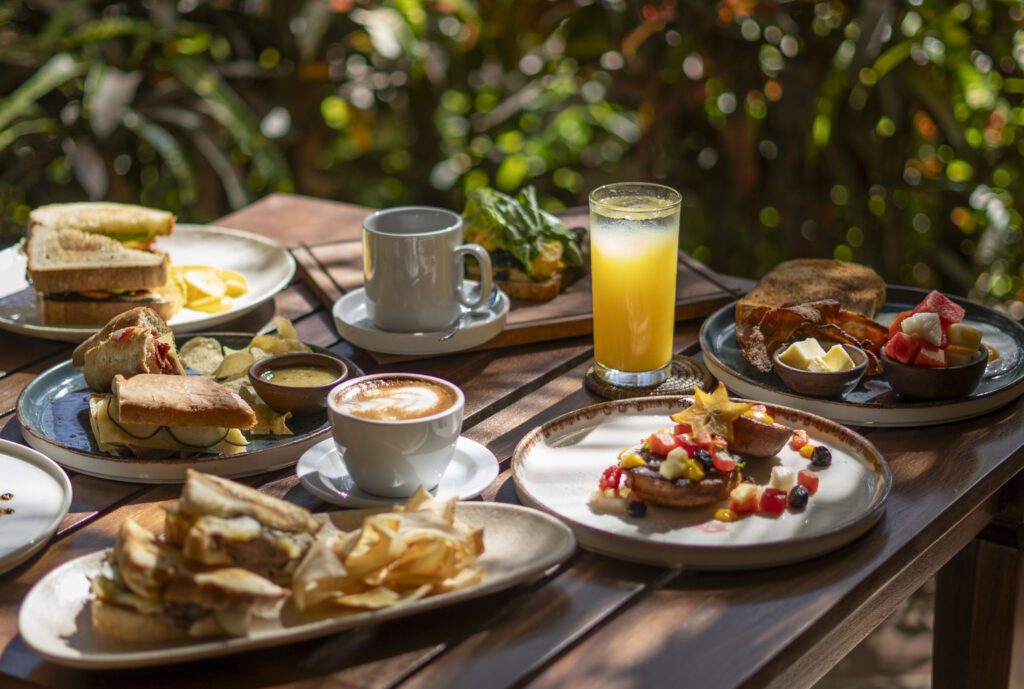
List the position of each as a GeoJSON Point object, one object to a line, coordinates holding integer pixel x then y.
{"type": "Point", "coordinates": [884, 131]}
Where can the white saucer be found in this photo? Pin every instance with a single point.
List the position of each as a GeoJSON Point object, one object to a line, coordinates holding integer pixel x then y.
{"type": "Point", "coordinates": [322, 472]}
{"type": "Point", "coordinates": [353, 324]}
{"type": "Point", "coordinates": [41, 496]}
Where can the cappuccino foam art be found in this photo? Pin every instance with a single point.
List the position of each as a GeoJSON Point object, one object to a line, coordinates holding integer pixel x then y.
{"type": "Point", "coordinates": [395, 399]}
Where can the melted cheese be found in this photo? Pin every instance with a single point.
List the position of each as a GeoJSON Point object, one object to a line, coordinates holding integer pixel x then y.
{"type": "Point", "coordinates": [110, 437]}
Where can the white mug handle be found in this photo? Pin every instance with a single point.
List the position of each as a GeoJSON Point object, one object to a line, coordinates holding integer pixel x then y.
{"type": "Point", "coordinates": [486, 276]}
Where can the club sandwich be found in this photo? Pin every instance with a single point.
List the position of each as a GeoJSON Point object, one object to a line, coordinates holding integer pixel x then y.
{"type": "Point", "coordinates": [133, 226]}
{"type": "Point", "coordinates": [147, 593]}
{"type": "Point", "coordinates": [150, 415]}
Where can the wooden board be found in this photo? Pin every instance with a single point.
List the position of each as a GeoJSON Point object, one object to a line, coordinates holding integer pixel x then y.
{"type": "Point", "coordinates": [334, 268]}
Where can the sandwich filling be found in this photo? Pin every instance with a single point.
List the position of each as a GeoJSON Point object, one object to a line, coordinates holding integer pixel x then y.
{"type": "Point", "coordinates": [112, 435]}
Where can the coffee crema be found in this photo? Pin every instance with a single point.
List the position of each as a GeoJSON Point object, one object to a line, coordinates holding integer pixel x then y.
{"type": "Point", "coordinates": [395, 399]}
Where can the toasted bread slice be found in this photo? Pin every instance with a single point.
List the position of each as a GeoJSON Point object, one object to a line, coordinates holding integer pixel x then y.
{"type": "Point", "coordinates": [74, 261]}
{"type": "Point", "coordinates": [151, 398]}
{"type": "Point", "coordinates": [801, 281]}
{"type": "Point", "coordinates": [141, 316]}
{"type": "Point", "coordinates": [121, 221]}
{"type": "Point", "coordinates": [517, 285]}
{"type": "Point", "coordinates": [209, 495]}
{"type": "Point", "coordinates": [97, 311]}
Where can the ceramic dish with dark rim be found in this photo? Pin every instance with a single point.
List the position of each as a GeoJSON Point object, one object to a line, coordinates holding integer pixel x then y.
{"type": "Point", "coordinates": [53, 411]}
{"type": "Point", "coordinates": [557, 465]}
{"type": "Point", "coordinates": [299, 400]}
{"type": "Point", "coordinates": [873, 402]}
{"type": "Point", "coordinates": [926, 383]}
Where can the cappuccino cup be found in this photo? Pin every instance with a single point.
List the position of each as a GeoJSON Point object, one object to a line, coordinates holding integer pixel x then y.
{"type": "Point", "coordinates": [396, 431]}
{"type": "Point", "coordinates": [413, 269]}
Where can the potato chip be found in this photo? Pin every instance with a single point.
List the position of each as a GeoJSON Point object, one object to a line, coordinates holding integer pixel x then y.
{"type": "Point", "coordinates": [234, 366]}
{"type": "Point", "coordinates": [268, 421]}
{"type": "Point", "coordinates": [285, 328]}
{"type": "Point", "coordinates": [275, 344]}
{"type": "Point", "coordinates": [202, 354]}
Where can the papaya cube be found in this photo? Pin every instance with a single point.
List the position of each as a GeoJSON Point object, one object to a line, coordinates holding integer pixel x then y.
{"type": "Point", "coordinates": [938, 303]}
{"type": "Point", "coordinates": [964, 335]}
{"type": "Point", "coordinates": [902, 348]}
{"type": "Point", "coordinates": [930, 357]}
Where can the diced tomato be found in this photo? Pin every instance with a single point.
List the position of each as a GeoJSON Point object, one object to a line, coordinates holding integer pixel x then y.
{"type": "Point", "coordinates": [773, 501]}
{"type": "Point", "coordinates": [929, 356]}
{"type": "Point", "coordinates": [610, 478]}
{"type": "Point", "coordinates": [808, 479]}
{"type": "Point", "coordinates": [743, 499]}
{"type": "Point", "coordinates": [895, 326]}
{"type": "Point", "coordinates": [662, 443]}
{"type": "Point", "coordinates": [687, 444]}
{"type": "Point", "coordinates": [902, 348]}
{"type": "Point", "coordinates": [799, 439]}
{"type": "Point", "coordinates": [722, 462]}
{"type": "Point", "coordinates": [682, 428]}
{"type": "Point", "coordinates": [936, 302]}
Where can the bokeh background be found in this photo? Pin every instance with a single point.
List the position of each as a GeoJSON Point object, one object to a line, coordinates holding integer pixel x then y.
{"type": "Point", "coordinates": [883, 131]}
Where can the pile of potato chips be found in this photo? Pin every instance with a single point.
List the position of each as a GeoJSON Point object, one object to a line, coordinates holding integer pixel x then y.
{"type": "Point", "coordinates": [230, 367]}
{"type": "Point", "coordinates": [396, 558]}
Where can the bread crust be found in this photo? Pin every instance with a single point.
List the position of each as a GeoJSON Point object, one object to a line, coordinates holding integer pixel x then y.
{"type": "Point", "coordinates": [125, 624]}
{"type": "Point", "coordinates": [103, 217]}
{"type": "Point", "coordinates": [73, 261]}
{"type": "Point", "coordinates": [156, 399]}
{"type": "Point", "coordinates": [95, 312]}
{"type": "Point", "coordinates": [805, 280]}
{"type": "Point", "coordinates": [143, 316]}
{"type": "Point", "coordinates": [531, 290]}
{"type": "Point", "coordinates": [55, 281]}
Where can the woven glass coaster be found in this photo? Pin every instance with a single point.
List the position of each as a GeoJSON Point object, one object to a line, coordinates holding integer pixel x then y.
{"type": "Point", "coordinates": [685, 376]}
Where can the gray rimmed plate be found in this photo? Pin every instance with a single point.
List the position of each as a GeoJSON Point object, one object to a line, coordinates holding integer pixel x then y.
{"type": "Point", "coordinates": [53, 411]}
{"type": "Point", "coordinates": [556, 468]}
{"type": "Point", "coordinates": [872, 402]}
{"type": "Point", "coordinates": [519, 545]}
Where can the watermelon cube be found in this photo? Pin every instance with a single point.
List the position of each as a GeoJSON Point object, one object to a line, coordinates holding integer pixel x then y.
{"type": "Point", "coordinates": [924, 326]}
{"type": "Point", "coordinates": [936, 302]}
{"type": "Point", "coordinates": [902, 348]}
{"type": "Point", "coordinates": [930, 357]}
{"type": "Point", "coordinates": [894, 327]}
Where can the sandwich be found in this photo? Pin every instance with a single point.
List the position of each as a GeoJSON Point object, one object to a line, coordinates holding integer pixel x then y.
{"type": "Point", "coordinates": [152, 415]}
{"type": "Point", "coordinates": [137, 341]}
{"type": "Point", "coordinates": [133, 226]}
{"type": "Point", "coordinates": [147, 593]}
{"type": "Point", "coordinates": [824, 298]}
{"type": "Point", "coordinates": [223, 523]}
{"type": "Point", "coordinates": [84, 278]}
{"type": "Point", "coordinates": [534, 256]}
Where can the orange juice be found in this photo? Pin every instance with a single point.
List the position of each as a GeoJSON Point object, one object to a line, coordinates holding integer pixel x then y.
{"type": "Point", "coordinates": [634, 244]}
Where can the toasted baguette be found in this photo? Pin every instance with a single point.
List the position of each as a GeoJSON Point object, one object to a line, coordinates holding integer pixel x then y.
{"type": "Point", "coordinates": [151, 398]}
{"type": "Point", "coordinates": [805, 280]}
{"type": "Point", "coordinates": [95, 312]}
{"type": "Point", "coordinates": [73, 261]}
{"type": "Point", "coordinates": [524, 288]}
{"type": "Point", "coordinates": [142, 316]}
{"type": "Point", "coordinates": [119, 220]}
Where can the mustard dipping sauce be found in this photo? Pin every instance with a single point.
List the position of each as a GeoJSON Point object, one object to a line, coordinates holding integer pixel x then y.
{"type": "Point", "coordinates": [300, 376]}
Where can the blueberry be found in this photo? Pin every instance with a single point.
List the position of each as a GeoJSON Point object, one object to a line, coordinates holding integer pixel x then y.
{"type": "Point", "coordinates": [822, 457]}
{"type": "Point", "coordinates": [703, 457]}
{"type": "Point", "coordinates": [798, 497]}
{"type": "Point", "coordinates": [636, 508]}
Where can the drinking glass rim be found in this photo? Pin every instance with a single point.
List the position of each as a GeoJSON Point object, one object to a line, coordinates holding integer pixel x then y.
{"type": "Point", "coordinates": [675, 198]}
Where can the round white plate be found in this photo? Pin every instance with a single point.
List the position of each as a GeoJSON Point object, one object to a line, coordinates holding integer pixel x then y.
{"type": "Point", "coordinates": [519, 545]}
{"type": "Point", "coordinates": [556, 468]}
{"type": "Point", "coordinates": [53, 411]}
{"type": "Point", "coordinates": [267, 267]}
{"type": "Point", "coordinates": [354, 325]}
{"type": "Point", "coordinates": [322, 472]}
{"type": "Point", "coordinates": [41, 499]}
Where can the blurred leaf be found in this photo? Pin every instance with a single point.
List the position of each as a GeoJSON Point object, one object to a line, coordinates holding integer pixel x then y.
{"type": "Point", "coordinates": [58, 70]}
{"type": "Point", "coordinates": [88, 166]}
{"type": "Point", "coordinates": [167, 147]}
{"type": "Point", "coordinates": [26, 128]}
{"type": "Point", "coordinates": [108, 94]}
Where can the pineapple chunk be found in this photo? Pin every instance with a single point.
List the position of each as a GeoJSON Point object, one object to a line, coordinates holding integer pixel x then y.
{"type": "Point", "coordinates": [801, 354]}
{"type": "Point", "coordinates": [959, 355]}
{"type": "Point", "coordinates": [672, 469]}
{"type": "Point", "coordinates": [924, 326]}
{"type": "Point", "coordinates": [964, 335]}
{"type": "Point", "coordinates": [632, 461]}
{"type": "Point", "coordinates": [783, 478]}
{"type": "Point", "coordinates": [837, 359]}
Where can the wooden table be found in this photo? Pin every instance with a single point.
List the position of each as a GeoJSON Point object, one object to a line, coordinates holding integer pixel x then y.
{"type": "Point", "coordinates": [594, 622]}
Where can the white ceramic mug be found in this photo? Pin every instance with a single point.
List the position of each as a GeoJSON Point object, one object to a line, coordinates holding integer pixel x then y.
{"type": "Point", "coordinates": [391, 458]}
{"type": "Point", "coordinates": [413, 272]}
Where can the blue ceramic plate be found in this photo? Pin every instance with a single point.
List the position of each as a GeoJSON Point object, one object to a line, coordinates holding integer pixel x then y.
{"type": "Point", "coordinates": [54, 415]}
{"type": "Point", "coordinates": [872, 402]}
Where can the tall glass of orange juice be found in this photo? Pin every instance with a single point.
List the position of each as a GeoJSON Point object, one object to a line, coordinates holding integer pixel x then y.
{"type": "Point", "coordinates": [634, 246]}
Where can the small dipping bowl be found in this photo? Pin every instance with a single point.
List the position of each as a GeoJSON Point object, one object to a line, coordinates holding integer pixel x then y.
{"type": "Point", "coordinates": [822, 383]}
{"type": "Point", "coordinates": [300, 401]}
{"type": "Point", "coordinates": [923, 383]}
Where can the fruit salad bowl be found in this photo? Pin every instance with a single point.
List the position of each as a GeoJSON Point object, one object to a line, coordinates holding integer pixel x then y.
{"type": "Point", "coordinates": [922, 383]}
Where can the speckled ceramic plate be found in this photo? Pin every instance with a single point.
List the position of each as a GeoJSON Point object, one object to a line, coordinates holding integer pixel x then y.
{"type": "Point", "coordinates": [35, 496]}
{"type": "Point", "coordinates": [556, 468]}
{"type": "Point", "coordinates": [519, 545]}
{"type": "Point", "coordinates": [54, 414]}
{"type": "Point", "coordinates": [872, 402]}
{"type": "Point", "coordinates": [267, 267]}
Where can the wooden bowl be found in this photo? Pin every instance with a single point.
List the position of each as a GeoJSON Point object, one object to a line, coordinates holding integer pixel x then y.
{"type": "Point", "coordinates": [822, 383]}
{"type": "Point", "coordinates": [298, 401]}
{"type": "Point", "coordinates": [921, 383]}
